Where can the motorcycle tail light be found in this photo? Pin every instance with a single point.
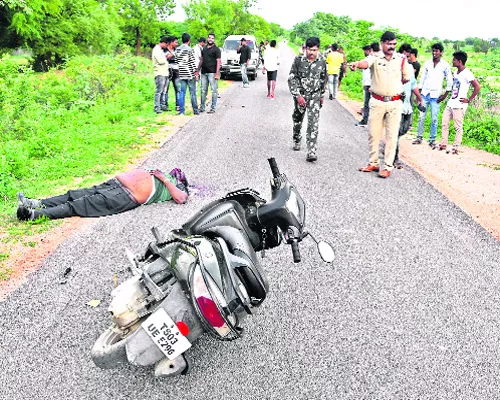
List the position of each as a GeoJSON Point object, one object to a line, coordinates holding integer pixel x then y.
{"type": "Point", "coordinates": [208, 308]}
{"type": "Point", "coordinates": [210, 311]}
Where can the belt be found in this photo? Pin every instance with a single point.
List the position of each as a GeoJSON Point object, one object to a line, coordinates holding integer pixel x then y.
{"type": "Point", "coordinates": [386, 98]}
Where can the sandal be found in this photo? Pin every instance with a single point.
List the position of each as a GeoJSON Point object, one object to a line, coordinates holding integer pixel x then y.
{"type": "Point", "coordinates": [454, 150]}
{"type": "Point", "coordinates": [442, 147]}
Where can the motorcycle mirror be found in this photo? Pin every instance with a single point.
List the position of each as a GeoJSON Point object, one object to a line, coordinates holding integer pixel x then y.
{"type": "Point", "coordinates": [326, 251]}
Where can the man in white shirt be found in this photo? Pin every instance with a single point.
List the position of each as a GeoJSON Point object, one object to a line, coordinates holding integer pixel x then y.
{"type": "Point", "coordinates": [160, 67]}
{"type": "Point", "coordinates": [271, 62]}
{"type": "Point", "coordinates": [198, 49]}
{"type": "Point", "coordinates": [457, 105]}
{"type": "Point", "coordinates": [431, 88]}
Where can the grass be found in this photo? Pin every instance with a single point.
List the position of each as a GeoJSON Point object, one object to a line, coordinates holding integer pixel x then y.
{"type": "Point", "coordinates": [71, 127]}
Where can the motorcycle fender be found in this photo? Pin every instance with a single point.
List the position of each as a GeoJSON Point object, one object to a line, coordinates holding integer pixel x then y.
{"type": "Point", "coordinates": [142, 351]}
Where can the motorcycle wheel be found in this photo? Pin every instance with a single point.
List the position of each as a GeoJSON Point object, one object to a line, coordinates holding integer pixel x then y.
{"type": "Point", "coordinates": [109, 350]}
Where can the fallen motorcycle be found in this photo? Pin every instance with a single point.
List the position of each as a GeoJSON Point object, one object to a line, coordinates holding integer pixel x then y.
{"type": "Point", "coordinates": [205, 277]}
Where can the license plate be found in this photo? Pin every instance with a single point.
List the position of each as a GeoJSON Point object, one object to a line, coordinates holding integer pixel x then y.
{"type": "Point", "coordinates": [165, 334]}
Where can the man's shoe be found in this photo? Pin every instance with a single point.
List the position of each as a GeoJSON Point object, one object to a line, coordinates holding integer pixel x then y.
{"type": "Point", "coordinates": [370, 168]}
{"type": "Point", "coordinates": [417, 141]}
{"type": "Point", "coordinates": [211, 111]}
{"type": "Point", "coordinates": [363, 122]}
{"type": "Point", "coordinates": [311, 157]}
{"type": "Point", "coordinates": [385, 173]}
{"type": "Point", "coordinates": [454, 150]}
{"type": "Point", "coordinates": [331, 97]}
{"type": "Point", "coordinates": [28, 203]}
{"type": "Point", "coordinates": [25, 214]}
{"type": "Point", "coordinates": [158, 111]}
{"type": "Point", "coordinates": [165, 109]}
{"type": "Point", "coordinates": [296, 146]}
{"type": "Point", "coordinates": [432, 144]}
{"type": "Point", "coordinates": [442, 147]}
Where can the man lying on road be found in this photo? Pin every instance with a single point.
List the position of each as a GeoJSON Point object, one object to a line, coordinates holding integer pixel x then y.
{"type": "Point", "coordinates": [124, 192]}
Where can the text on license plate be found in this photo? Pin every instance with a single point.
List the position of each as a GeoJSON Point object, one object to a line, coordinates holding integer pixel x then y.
{"type": "Point", "coordinates": [165, 334]}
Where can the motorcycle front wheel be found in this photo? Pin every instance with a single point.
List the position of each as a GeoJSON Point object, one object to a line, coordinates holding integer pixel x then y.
{"type": "Point", "coordinates": [109, 349]}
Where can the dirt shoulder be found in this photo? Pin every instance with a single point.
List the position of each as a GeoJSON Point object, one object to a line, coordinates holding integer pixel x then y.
{"type": "Point", "coordinates": [471, 180]}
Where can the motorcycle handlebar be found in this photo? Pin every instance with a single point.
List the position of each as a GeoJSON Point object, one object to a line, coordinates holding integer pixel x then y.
{"type": "Point", "coordinates": [295, 251]}
{"type": "Point", "coordinates": [274, 167]}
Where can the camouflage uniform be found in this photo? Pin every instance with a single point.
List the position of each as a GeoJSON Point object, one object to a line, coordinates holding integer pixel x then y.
{"type": "Point", "coordinates": [307, 79]}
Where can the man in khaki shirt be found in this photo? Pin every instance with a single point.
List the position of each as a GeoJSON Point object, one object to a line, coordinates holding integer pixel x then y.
{"type": "Point", "coordinates": [389, 71]}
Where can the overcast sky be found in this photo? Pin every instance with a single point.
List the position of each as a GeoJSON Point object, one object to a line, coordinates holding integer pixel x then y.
{"type": "Point", "coordinates": [445, 19]}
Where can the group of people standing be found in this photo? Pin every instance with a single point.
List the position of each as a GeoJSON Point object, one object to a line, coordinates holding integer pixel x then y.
{"type": "Point", "coordinates": [391, 85]}
{"type": "Point", "coordinates": [183, 66]}
{"type": "Point", "coordinates": [391, 92]}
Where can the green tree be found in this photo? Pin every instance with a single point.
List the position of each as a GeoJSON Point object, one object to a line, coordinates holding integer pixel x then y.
{"type": "Point", "coordinates": [56, 29]}
{"type": "Point", "coordinates": [482, 46]}
{"type": "Point", "coordinates": [140, 20]}
{"type": "Point", "coordinates": [227, 17]}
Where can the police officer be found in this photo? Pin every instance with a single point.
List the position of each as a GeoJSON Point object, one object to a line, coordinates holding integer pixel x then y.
{"type": "Point", "coordinates": [389, 71]}
{"type": "Point", "coordinates": [307, 85]}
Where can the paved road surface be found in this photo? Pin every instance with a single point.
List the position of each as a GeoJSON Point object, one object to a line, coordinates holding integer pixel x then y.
{"type": "Point", "coordinates": [409, 310]}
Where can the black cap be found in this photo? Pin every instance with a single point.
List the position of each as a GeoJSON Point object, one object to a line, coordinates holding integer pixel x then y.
{"type": "Point", "coordinates": [243, 39]}
{"type": "Point", "coordinates": [202, 39]}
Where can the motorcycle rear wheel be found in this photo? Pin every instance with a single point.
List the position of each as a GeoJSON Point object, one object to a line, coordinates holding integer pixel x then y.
{"type": "Point", "coordinates": [109, 349]}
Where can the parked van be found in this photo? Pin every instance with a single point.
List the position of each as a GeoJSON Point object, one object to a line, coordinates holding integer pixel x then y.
{"type": "Point", "coordinates": [231, 60]}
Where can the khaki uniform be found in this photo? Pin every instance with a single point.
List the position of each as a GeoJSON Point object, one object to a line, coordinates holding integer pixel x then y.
{"type": "Point", "coordinates": [307, 79]}
{"type": "Point", "coordinates": [386, 81]}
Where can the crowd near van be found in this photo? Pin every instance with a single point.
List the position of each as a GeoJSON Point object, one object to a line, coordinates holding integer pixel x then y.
{"type": "Point", "coordinates": [231, 59]}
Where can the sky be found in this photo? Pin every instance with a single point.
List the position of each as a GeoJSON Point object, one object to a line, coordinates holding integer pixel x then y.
{"type": "Point", "coordinates": [445, 19]}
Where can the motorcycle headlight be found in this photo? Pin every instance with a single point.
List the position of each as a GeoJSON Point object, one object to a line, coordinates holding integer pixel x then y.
{"type": "Point", "coordinates": [295, 206]}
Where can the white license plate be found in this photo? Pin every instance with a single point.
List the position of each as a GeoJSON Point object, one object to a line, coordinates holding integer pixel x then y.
{"type": "Point", "coordinates": [165, 334]}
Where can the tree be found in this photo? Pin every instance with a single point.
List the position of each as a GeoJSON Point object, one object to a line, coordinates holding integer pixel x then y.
{"type": "Point", "coordinates": [56, 29]}
{"type": "Point", "coordinates": [482, 46]}
{"type": "Point", "coordinates": [140, 19]}
{"type": "Point", "coordinates": [226, 17]}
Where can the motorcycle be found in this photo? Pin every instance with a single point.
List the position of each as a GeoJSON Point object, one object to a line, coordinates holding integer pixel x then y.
{"type": "Point", "coordinates": [204, 277]}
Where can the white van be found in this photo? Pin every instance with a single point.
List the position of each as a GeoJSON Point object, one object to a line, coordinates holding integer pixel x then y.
{"type": "Point", "coordinates": [231, 60]}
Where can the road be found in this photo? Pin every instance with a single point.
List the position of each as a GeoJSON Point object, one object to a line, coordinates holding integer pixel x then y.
{"type": "Point", "coordinates": [410, 309]}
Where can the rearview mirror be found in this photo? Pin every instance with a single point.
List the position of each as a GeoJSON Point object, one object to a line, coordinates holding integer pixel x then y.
{"type": "Point", "coordinates": [326, 251]}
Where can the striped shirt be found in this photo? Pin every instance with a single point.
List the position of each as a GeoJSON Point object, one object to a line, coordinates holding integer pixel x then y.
{"type": "Point", "coordinates": [186, 61]}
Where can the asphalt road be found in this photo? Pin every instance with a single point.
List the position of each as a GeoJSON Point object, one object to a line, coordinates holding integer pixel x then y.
{"type": "Point", "coordinates": [410, 309]}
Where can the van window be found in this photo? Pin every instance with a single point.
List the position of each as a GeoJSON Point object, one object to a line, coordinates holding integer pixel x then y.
{"type": "Point", "coordinates": [233, 44]}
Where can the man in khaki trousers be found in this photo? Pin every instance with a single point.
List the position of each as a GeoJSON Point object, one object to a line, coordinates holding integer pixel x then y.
{"type": "Point", "coordinates": [389, 71]}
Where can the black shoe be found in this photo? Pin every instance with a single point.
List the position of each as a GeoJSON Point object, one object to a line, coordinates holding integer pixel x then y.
{"type": "Point", "coordinates": [158, 111]}
{"type": "Point", "coordinates": [296, 146]}
{"type": "Point", "coordinates": [363, 122]}
{"type": "Point", "coordinates": [311, 157]}
{"type": "Point", "coordinates": [331, 97]}
{"type": "Point", "coordinates": [25, 214]}
{"type": "Point", "coordinates": [417, 141]}
{"type": "Point", "coordinates": [432, 144]}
